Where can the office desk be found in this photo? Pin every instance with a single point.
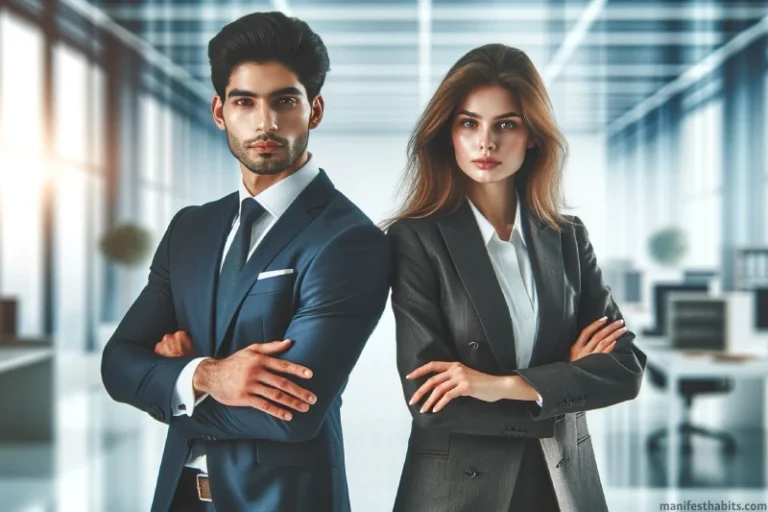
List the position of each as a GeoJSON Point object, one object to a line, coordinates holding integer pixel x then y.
{"type": "Point", "coordinates": [679, 365]}
{"type": "Point", "coordinates": [26, 391]}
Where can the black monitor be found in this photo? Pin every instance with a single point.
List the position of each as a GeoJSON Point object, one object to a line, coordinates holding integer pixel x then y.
{"type": "Point", "coordinates": [761, 309]}
{"type": "Point", "coordinates": [660, 293]}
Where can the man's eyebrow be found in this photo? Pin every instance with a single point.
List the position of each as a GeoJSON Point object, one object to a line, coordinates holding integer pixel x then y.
{"type": "Point", "coordinates": [250, 94]}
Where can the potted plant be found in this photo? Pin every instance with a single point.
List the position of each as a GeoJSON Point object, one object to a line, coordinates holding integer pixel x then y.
{"type": "Point", "coordinates": [126, 245]}
{"type": "Point", "coordinates": [668, 246]}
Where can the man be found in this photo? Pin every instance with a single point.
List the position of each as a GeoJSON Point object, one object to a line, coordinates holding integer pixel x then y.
{"type": "Point", "coordinates": [258, 305]}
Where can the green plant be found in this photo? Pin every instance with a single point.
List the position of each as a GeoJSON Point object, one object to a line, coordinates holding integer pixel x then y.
{"type": "Point", "coordinates": [668, 246]}
{"type": "Point", "coordinates": [126, 244]}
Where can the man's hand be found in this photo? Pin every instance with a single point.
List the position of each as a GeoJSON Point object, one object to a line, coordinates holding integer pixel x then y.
{"type": "Point", "coordinates": [175, 345]}
{"type": "Point", "coordinates": [596, 339]}
{"type": "Point", "coordinates": [251, 376]}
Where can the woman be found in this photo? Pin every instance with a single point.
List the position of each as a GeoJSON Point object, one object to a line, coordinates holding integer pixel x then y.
{"type": "Point", "coordinates": [506, 332]}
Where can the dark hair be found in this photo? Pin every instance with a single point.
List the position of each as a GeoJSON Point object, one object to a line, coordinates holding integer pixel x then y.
{"type": "Point", "coordinates": [265, 37]}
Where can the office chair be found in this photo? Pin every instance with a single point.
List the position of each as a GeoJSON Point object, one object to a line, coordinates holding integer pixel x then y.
{"type": "Point", "coordinates": [680, 308]}
{"type": "Point", "coordinates": [689, 389]}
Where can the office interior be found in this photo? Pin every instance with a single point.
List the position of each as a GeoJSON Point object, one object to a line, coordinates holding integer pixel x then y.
{"type": "Point", "coordinates": [105, 132]}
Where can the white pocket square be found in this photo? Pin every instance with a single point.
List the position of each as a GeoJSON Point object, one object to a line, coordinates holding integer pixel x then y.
{"type": "Point", "coordinates": [274, 273]}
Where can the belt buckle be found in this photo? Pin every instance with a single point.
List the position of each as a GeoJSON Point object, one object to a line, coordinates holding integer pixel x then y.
{"type": "Point", "coordinates": [199, 477]}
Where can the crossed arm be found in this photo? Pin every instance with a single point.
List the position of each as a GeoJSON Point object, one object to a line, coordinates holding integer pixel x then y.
{"type": "Point", "coordinates": [342, 297]}
{"type": "Point", "coordinates": [470, 402]}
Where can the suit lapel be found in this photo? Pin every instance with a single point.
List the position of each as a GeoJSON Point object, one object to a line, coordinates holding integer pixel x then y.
{"type": "Point", "coordinates": [546, 254]}
{"type": "Point", "coordinates": [213, 233]}
{"type": "Point", "coordinates": [287, 227]}
{"type": "Point", "coordinates": [470, 257]}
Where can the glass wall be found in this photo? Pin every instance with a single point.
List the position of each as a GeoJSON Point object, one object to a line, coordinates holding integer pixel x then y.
{"type": "Point", "coordinates": [22, 169]}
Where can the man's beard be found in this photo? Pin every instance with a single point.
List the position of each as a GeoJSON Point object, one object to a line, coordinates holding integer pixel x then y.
{"type": "Point", "coordinates": [271, 164]}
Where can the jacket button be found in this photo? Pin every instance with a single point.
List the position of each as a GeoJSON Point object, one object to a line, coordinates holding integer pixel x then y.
{"type": "Point", "coordinates": [471, 473]}
{"type": "Point", "coordinates": [474, 345]}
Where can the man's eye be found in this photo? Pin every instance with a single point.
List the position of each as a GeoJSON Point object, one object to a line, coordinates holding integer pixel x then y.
{"type": "Point", "coordinates": [287, 101]}
{"type": "Point", "coordinates": [243, 102]}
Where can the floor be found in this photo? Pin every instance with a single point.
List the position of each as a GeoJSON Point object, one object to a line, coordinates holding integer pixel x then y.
{"type": "Point", "coordinates": [106, 455]}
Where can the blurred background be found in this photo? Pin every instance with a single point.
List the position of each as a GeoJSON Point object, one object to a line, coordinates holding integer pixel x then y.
{"type": "Point", "coordinates": [105, 133]}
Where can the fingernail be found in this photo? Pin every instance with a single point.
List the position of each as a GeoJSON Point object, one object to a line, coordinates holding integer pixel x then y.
{"type": "Point", "coordinates": [423, 409]}
{"type": "Point", "coordinates": [307, 373]}
{"type": "Point", "coordinates": [312, 399]}
{"type": "Point", "coordinates": [623, 329]}
{"type": "Point", "coordinates": [604, 319]}
{"type": "Point", "coordinates": [408, 377]}
{"type": "Point", "coordinates": [288, 417]}
{"type": "Point", "coordinates": [304, 407]}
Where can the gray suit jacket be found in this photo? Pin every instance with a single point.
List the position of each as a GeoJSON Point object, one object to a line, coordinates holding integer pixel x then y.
{"type": "Point", "coordinates": [448, 306]}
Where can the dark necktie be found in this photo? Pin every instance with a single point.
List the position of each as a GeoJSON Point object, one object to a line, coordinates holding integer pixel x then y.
{"type": "Point", "coordinates": [250, 210]}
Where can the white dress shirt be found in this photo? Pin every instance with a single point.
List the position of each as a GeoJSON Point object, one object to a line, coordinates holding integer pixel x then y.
{"type": "Point", "coordinates": [275, 199]}
{"type": "Point", "coordinates": [512, 266]}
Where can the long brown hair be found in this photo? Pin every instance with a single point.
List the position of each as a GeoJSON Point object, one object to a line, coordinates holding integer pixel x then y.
{"type": "Point", "coordinates": [433, 182]}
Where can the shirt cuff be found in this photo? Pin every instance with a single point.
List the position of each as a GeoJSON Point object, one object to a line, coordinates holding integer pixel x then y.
{"type": "Point", "coordinates": [183, 401]}
{"type": "Point", "coordinates": [539, 401]}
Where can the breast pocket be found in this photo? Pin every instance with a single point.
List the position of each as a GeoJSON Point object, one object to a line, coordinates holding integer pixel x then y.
{"type": "Point", "coordinates": [272, 300]}
{"type": "Point", "coordinates": [272, 284]}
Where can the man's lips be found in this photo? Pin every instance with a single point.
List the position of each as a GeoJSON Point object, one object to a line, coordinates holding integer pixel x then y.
{"type": "Point", "coordinates": [265, 144]}
{"type": "Point", "coordinates": [264, 147]}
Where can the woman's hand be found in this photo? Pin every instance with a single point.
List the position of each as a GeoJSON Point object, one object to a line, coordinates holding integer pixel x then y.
{"type": "Point", "coordinates": [453, 379]}
{"type": "Point", "coordinates": [597, 338]}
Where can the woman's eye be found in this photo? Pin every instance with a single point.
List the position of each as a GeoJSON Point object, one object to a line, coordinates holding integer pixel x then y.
{"type": "Point", "coordinates": [507, 125]}
{"type": "Point", "coordinates": [468, 123]}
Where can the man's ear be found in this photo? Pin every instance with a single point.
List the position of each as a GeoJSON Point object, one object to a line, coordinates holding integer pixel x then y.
{"type": "Point", "coordinates": [316, 116]}
{"type": "Point", "coordinates": [217, 111]}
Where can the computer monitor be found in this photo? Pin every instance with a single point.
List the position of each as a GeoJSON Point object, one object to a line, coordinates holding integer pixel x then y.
{"type": "Point", "coordinates": [761, 309]}
{"type": "Point", "coordinates": [660, 293]}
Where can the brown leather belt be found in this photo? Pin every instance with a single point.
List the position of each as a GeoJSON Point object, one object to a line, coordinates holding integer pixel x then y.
{"type": "Point", "coordinates": [203, 487]}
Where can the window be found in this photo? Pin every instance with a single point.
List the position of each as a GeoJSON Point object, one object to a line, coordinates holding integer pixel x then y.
{"type": "Point", "coordinates": [22, 169]}
{"type": "Point", "coordinates": [701, 184]}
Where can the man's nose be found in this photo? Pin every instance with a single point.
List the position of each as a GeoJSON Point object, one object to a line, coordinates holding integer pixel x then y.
{"type": "Point", "coordinates": [267, 120]}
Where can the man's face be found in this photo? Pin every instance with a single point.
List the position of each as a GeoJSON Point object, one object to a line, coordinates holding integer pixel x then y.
{"type": "Point", "coordinates": [267, 116]}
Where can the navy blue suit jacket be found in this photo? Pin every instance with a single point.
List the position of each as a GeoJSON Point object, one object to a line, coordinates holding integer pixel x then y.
{"type": "Point", "coordinates": [329, 306]}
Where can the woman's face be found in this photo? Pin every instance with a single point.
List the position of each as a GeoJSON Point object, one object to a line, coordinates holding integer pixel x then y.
{"type": "Point", "coordinates": [489, 136]}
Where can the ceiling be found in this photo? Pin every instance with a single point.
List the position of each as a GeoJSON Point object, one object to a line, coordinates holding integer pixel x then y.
{"type": "Point", "coordinates": [605, 61]}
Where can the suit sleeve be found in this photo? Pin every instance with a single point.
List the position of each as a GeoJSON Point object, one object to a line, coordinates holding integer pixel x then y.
{"type": "Point", "coordinates": [421, 338]}
{"type": "Point", "coordinates": [131, 371]}
{"type": "Point", "coordinates": [597, 380]}
{"type": "Point", "coordinates": [342, 297]}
